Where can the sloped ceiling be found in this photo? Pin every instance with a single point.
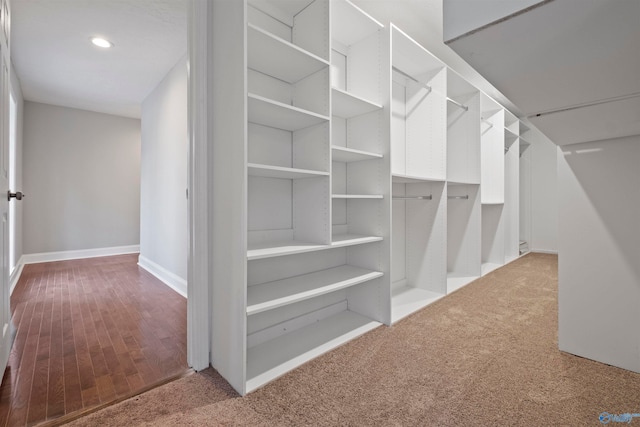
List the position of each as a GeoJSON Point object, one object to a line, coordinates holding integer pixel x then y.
{"type": "Point", "coordinates": [571, 66]}
{"type": "Point", "coordinates": [56, 63]}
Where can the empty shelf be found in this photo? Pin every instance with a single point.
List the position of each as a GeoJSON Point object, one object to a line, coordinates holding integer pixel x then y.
{"type": "Point", "coordinates": [269, 360]}
{"type": "Point", "coordinates": [291, 247]}
{"type": "Point", "coordinates": [356, 196]}
{"type": "Point", "coordinates": [411, 179]}
{"type": "Point", "coordinates": [509, 138]}
{"type": "Point", "coordinates": [282, 172]}
{"type": "Point", "coordinates": [348, 155]}
{"type": "Point", "coordinates": [455, 282]}
{"type": "Point", "coordinates": [273, 249]}
{"type": "Point", "coordinates": [267, 112]}
{"type": "Point", "coordinates": [278, 58]}
{"type": "Point", "coordinates": [288, 291]}
{"type": "Point", "coordinates": [340, 240]}
{"type": "Point", "coordinates": [406, 300]}
{"type": "Point", "coordinates": [346, 105]}
{"type": "Point", "coordinates": [488, 267]}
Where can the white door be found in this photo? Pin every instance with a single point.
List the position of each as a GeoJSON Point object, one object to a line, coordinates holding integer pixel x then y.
{"type": "Point", "coordinates": [5, 311]}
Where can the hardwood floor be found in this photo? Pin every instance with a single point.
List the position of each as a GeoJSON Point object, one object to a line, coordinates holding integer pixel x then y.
{"type": "Point", "coordinates": [89, 331]}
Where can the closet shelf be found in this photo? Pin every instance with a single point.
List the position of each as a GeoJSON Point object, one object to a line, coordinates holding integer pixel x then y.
{"type": "Point", "coordinates": [340, 240]}
{"type": "Point", "coordinates": [509, 137]}
{"type": "Point", "coordinates": [267, 112]}
{"type": "Point", "coordinates": [273, 249]}
{"type": "Point", "coordinates": [346, 105]}
{"type": "Point", "coordinates": [406, 300]}
{"type": "Point", "coordinates": [348, 155]}
{"type": "Point", "coordinates": [282, 172]}
{"type": "Point", "coordinates": [410, 179]}
{"type": "Point", "coordinates": [456, 281]}
{"type": "Point", "coordinates": [279, 58]}
{"type": "Point", "coordinates": [276, 294]}
{"type": "Point", "coordinates": [291, 247]}
{"type": "Point", "coordinates": [274, 358]}
{"type": "Point", "coordinates": [350, 23]}
{"type": "Point", "coordinates": [488, 267]}
{"type": "Point", "coordinates": [356, 196]}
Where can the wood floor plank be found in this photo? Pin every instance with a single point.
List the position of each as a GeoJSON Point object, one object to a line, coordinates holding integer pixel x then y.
{"type": "Point", "coordinates": [88, 332]}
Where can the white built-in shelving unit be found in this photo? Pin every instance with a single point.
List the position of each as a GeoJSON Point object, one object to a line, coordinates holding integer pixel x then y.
{"type": "Point", "coordinates": [418, 168]}
{"type": "Point", "coordinates": [511, 213]}
{"type": "Point", "coordinates": [524, 194]}
{"type": "Point", "coordinates": [463, 182]}
{"type": "Point", "coordinates": [355, 181]}
{"type": "Point", "coordinates": [494, 148]}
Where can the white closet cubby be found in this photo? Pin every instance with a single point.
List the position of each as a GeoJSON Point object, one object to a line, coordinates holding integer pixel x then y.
{"type": "Point", "coordinates": [463, 235]}
{"type": "Point", "coordinates": [492, 188]}
{"type": "Point", "coordinates": [418, 166]}
{"type": "Point", "coordinates": [511, 214]}
{"type": "Point", "coordinates": [524, 196]}
{"type": "Point", "coordinates": [355, 180]}
{"type": "Point", "coordinates": [463, 131]}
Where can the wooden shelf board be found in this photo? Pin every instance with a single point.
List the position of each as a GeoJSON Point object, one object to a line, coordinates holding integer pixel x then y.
{"type": "Point", "coordinates": [282, 172]}
{"type": "Point", "coordinates": [350, 24]}
{"type": "Point", "coordinates": [406, 300]}
{"type": "Point", "coordinates": [346, 105]}
{"type": "Point", "coordinates": [270, 360]}
{"type": "Point", "coordinates": [276, 294]}
{"type": "Point", "coordinates": [279, 58]}
{"type": "Point", "coordinates": [267, 112]}
{"type": "Point", "coordinates": [340, 240]}
{"type": "Point", "coordinates": [411, 179]}
{"type": "Point", "coordinates": [356, 196]}
{"type": "Point", "coordinates": [348, 155]}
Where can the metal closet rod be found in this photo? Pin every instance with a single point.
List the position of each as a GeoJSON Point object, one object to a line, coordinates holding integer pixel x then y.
{"type": "Point", "coordinates": [487, 122]}
{"type": "Point", "coordinates": [399, 71]}
{"type": "Point", "coordinates": [454, 102]}
{"type": "Point", "coordinates": [429, 197]}
{"type": "Point", "coordinates": [459, 197]}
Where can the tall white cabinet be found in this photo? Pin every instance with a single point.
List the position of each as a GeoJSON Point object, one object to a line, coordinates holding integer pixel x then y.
{"type": "Point", "coordinates": [356, 179]}
{"type": "Point", "coordinates": [418, 174]}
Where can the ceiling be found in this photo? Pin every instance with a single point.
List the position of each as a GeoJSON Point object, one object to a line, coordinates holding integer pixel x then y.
{"type": "Point", "coordinates": [56, 63]}
{"type": "Point", "coordinates": [571, 66]}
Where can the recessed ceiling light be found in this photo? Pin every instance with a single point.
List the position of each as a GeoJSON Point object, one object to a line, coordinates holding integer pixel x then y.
{"type": "Point", "coordinates": [100, 42]}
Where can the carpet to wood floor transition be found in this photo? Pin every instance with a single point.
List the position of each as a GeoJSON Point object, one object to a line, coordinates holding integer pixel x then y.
{"type": "Point", "coordinates": [486, 355]}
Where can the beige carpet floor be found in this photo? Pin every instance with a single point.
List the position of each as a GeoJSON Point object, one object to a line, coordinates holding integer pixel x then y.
{"type": "Point", "coordinates": [486, 355]}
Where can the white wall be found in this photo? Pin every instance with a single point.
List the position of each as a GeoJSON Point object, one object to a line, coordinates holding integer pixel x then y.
{"type": "Point", "coordinates": [81, 174]}
{"type": "Point", "coordinates": [599, 270]}
{"type": "Point", "coordinates": [544, 194]}
{"type": "Point", "coordinates": [163, 205]}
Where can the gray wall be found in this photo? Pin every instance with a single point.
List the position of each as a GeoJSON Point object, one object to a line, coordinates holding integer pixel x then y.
{"type": "Point", "coordinates": [163, 203]}
{"type": "Point", "coordinates": [544, 194]}
{"type": "Point", "coordinates": [81, 175]}
{"type": "Point", "coordinates": [599, 261]}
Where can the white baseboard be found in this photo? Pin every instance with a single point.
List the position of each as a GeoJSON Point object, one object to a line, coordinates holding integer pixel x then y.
{"type": "Point", "coordinates": [15, 276]}
{"type": "Point", "coordinates": [78, 254]}
{"type": "Point", "coordinates": [170, 279]}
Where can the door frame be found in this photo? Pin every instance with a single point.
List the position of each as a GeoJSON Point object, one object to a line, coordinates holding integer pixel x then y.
{"type": "Point", "coordinates": [198, 274]}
